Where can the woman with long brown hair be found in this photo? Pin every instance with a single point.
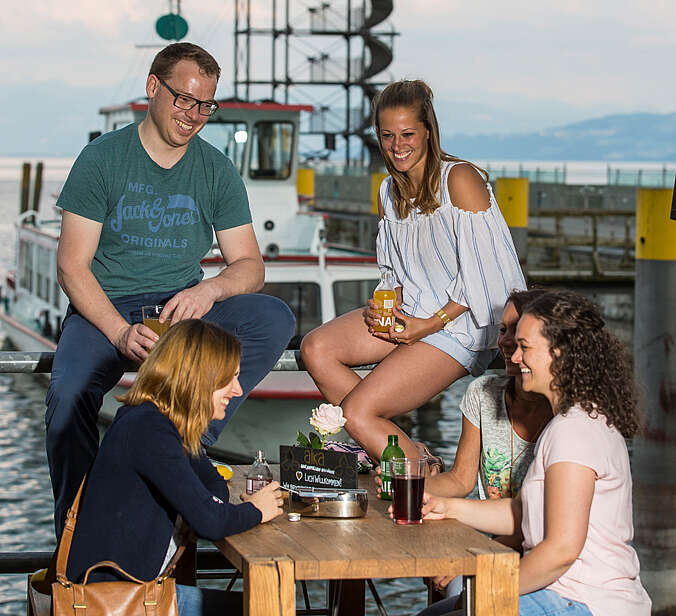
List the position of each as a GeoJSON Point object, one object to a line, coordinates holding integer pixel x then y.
{"type": "Point", "coordinates": [575, 504]}
{"type": "Point", "coordinates": [151, 481]}
{"type": "Point", "coordinates": [442, 237]}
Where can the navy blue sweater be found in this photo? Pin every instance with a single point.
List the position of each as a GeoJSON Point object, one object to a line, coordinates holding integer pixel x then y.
{"type": "Point", "coordinates": [140, 480]}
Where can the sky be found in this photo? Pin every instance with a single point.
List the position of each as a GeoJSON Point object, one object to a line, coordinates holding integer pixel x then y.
{"type": "Point", "coordinates": [494, 66]}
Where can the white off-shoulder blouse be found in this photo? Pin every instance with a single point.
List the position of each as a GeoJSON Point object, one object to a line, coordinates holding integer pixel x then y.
{"type": "Point", "coordinates": [451, 254]}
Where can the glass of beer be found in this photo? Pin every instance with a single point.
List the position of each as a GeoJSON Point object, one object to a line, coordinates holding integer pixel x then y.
{"type": "Point", "coordinates": [151, 319]}
{"type": "Point", "coordinates": [408, 485]}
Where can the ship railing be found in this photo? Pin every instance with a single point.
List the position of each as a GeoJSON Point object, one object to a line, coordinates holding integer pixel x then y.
{"type": "Point", "coordinates": [40, 362]}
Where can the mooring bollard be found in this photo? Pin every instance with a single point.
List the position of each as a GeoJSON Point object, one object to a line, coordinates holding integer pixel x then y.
{"type": "Point", "coordinates": [512, 197]}
{"type": "Point", "coordinates": [37, 186]}
{"type": "Point", "coordinates": [305, 185]}
{"type": "Point", "coordinates": [25, 187]}
{"type": "Point", "coordinates": [654, 456]}
{"type": "Point", "coordinates": [376, 181]}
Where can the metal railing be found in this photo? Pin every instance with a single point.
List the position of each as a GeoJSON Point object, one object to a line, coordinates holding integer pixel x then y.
{"type": "Point", "coordinates": [560, 239]}
{"type": "Point", "coordinates": [40, 362]}
{"type": "Point", "coordinates": [650, 178]}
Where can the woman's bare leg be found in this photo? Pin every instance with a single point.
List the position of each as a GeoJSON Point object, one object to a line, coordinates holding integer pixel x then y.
{"type": "Point", "coordinates": [406, 378]}
{"type": "Point", "coordinates": [330, 350]}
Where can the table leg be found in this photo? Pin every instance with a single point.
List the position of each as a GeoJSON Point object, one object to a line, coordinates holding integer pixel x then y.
{"type": "Point", "coordinates": [495, 591]}
{"type": "Point", "coordinates": [345, 597]}
{"type": "Point", "coordinates": [269, 587]}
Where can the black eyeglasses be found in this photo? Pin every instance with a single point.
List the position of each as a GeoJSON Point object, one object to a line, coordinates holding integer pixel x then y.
{"type": "Point", "coordinates": [185, 102]}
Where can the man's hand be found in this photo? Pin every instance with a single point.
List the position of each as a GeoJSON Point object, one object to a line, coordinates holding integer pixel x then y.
{"type": "Point", "coordinates": [439, 582]}
{"type": "Point", "coordinates": [192, 303]}
{"type": "Point", "coordinates": [134, 341]}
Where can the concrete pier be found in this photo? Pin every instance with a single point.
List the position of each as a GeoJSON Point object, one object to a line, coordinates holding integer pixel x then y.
{"type": "Point", "coordinates": [654, 455]}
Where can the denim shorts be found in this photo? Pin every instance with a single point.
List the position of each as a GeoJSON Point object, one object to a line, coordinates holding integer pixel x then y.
{"type": "Point", "coordinates": [475, 362]}
{"type": "Point", "coordinates": [549, 603]}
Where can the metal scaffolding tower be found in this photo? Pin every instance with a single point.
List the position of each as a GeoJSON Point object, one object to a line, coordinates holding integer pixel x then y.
{"type": "Point", "coordinates": [327, 55]}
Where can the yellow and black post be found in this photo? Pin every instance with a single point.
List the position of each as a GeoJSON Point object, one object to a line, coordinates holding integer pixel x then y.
{"type": "Point", "coordinates": [654, 449]}
{"type": "Point", "coordinates": [376, 181]}
{"type": "Point", "coordinates": [305, 186]}
{"type": "Point", "coordinates": [512, 197]}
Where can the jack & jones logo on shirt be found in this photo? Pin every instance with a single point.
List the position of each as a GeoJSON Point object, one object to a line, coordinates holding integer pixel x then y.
{"type": "Point", "coordinates": [170, 215]}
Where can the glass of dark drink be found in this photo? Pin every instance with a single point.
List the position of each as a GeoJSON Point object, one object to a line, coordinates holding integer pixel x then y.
{"type": "Point", "coordinates": [408, 485]}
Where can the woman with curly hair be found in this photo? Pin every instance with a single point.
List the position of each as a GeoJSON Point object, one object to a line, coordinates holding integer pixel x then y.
{"type": "Point", "coordinates": [442, 237]}
{"type": "Point", "coordinates": [574, 508]}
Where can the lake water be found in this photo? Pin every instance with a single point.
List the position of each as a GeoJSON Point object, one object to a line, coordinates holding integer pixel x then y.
{"type": "Point", "coordinates": [25, 491]}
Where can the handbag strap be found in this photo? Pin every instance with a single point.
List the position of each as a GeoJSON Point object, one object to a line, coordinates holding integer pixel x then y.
{"type": "Point", "coordinates": [67, 537]}
{"type": "Point", "coordinates": [171, 565]}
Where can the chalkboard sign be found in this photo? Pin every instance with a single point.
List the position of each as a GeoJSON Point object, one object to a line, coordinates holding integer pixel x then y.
{"type": "Point", "coordinates": [303, 467]}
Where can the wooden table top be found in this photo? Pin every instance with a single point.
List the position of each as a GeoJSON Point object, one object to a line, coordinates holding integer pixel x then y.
{"type": "Point", "coordinates": [368, 547]}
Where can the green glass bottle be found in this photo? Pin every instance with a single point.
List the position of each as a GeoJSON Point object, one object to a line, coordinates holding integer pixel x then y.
{"type": "Point", "coordinates": [391, 451]}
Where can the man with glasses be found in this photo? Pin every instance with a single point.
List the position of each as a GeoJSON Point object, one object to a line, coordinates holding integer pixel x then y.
{"type": "Point", "coordinates": [140, 207]}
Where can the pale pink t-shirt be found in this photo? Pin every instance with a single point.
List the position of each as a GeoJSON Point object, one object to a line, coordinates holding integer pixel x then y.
{"type": "Point", "coordinates": [605, 575]}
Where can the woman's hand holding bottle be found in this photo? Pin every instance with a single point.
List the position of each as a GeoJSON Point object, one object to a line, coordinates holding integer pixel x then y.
{"type": "Point", "coordinates": [371, 315]}
{"type": "Point", "coordinates": [267, 500]}
{"type": "Point", "coordinates": [408, 330]}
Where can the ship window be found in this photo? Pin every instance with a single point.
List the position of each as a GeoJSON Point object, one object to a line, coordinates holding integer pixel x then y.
{"type": "Point", "coordinates": [57, 302]}
{"type": "Point", "coordinates": [26, 261]}
{"type": "Point", "coordinates": [43, 267]}
{"type": "Point", "coordinates": [303, 299]}
{"type": "Point", "coordinates": [271, 150]}
{"type": "Point", "coordinates": [351, 294]}
{"type": "Point", "coordinates": [229, 138]}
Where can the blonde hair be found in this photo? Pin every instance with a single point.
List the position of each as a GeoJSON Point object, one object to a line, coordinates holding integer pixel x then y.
{"type": "Point", "coordinates": [190, 361]}
{"type": "Point", "coordinates": [417, 95]}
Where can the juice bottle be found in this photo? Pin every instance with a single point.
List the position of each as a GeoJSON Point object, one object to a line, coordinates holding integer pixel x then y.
{"type": "Point", "coordinates": [384, 296]}
{"type": "Point", "coordinates": [391, 451]}
{"type": "Point", "coordinates": [259, 474]}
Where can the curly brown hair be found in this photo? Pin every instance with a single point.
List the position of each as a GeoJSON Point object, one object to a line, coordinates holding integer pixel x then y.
{"type": "Point", "coordinates": [590, 367]}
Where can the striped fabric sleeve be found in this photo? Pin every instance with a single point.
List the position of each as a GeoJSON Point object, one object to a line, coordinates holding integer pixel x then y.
{"type": "Point", "coordinates": [384, 250]}
{"type": "Point", "coordinates": [384, 244]}
{"type": "Point", "coordinates": [487, 268]}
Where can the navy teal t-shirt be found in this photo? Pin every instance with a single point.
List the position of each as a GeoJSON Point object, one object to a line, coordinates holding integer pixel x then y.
{"type": "Point", "coordinates": [157, 223]}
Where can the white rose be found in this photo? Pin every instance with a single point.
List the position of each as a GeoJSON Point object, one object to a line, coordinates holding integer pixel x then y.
{"type": "Point", "coordinates": [327, 419]}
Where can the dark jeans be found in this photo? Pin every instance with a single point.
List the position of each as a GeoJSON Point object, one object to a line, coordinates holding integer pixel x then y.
{"type": "Point", "coordinates": [87, 366]}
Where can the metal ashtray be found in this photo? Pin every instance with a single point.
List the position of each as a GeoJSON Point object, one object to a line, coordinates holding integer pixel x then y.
{"type": "Point", "coordinates": [318, 503]}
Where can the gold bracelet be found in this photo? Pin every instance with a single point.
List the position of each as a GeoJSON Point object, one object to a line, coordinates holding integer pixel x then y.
{"type": "Point", "coordinates": [445, 319]}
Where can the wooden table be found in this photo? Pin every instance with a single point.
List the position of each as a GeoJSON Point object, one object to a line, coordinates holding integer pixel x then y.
{"type": "Point", "coordinates": [273, 556]}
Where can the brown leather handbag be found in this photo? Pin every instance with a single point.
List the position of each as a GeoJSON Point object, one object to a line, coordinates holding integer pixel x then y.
{"type": "Point", "coordinates": [133, 598]}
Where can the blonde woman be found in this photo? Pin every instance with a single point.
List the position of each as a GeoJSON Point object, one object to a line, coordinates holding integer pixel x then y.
{"type": "Point", "coordinates": [151, 479]}
{"type": "Point", "coordinates": [442, 236]}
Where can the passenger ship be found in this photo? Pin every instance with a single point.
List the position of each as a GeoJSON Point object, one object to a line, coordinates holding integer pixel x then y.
{"type": "Point", "coordinates": [318, 282]}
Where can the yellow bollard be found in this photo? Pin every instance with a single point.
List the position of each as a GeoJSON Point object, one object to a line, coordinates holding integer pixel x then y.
{"type": "Point", "coordinates": [655, 231]}
{"type": "Point", "coordinates": [654, 448]}
{"type": "Point", "coordinates": [305, 186]}
{"type": "Point", "coordinates": [376, 181]}
{"type": "Point", "coordinates": [512, 197]}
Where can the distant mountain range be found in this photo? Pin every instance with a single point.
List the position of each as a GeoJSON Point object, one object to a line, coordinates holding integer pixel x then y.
{"type": "Point", "coordinates": [631, 137]}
